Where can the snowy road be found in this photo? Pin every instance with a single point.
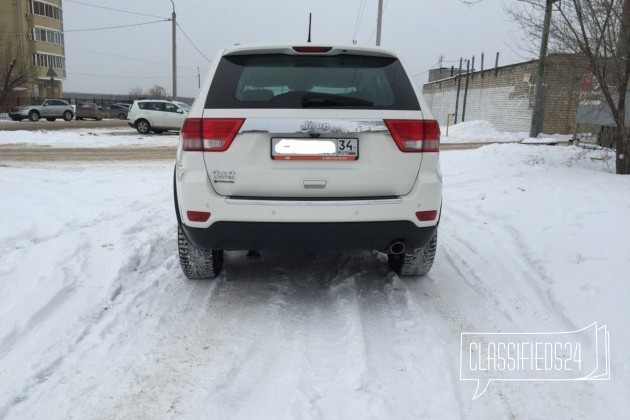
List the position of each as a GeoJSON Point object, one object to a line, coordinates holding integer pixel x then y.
{"type": "Point", "coordinates": [97, 321]}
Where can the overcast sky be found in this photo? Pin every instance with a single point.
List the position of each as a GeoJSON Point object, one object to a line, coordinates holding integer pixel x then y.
{"type": "Point", "coordinates": [115, 60]}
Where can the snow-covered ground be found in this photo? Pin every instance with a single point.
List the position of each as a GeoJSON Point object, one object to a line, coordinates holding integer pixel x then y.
{"type": "Point", "coordinates": [81, 137]}
{"type": "Point", "coordinates": [98, 322]}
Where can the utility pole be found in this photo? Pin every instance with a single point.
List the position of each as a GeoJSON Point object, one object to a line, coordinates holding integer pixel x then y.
{"type": "Point", "coordinates": [466, 89]}
{"type": "Point", "coordinates": [174, 21]}
{"type": "Point", "coordinates": [459, 85]}
{"type": "Point", "coordinates": [379, 23]}
{"type": "Point", "coordinates": [538, 114]}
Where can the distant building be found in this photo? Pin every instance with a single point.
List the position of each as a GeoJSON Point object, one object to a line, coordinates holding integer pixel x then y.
{"type": "Point", "coordinates": [505, 95]}
{"type": "Point", "coordinates": [35, 31]}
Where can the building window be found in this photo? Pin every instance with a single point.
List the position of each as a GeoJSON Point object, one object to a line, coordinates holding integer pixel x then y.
{"type": "Point", "coordinates": [49, 60]}
{"type": "Point", "coordinates": [49, 36]}
{"type": "Point", "coordinates": [45, 9]}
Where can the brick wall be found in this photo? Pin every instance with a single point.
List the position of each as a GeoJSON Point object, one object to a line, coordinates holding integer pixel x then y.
{"type": "Point", "coordinates": [562, 78]}
{"type": "Point", "coordinates": [505, 97]}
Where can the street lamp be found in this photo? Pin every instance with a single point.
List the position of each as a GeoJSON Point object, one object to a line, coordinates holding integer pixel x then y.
{"type": "Point", "coordinates": [174, 21]}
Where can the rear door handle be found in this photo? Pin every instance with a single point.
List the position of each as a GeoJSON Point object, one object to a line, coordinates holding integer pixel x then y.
{"type": "Point", "coordinates": [314, 184]}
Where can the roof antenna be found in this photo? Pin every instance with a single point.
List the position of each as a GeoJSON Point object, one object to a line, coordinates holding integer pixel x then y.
{"type": "Point", "coordinates": [309, 28]}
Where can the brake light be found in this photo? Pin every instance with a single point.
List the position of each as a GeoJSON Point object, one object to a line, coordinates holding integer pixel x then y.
{"type": "Point", "coordinates": [312, 50]}
{"type": "Point", "coordinates": [209, 134]}
{"type": "Point", "coordinates": [421, 136]}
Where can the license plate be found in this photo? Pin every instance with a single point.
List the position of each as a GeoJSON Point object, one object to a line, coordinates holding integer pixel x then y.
{"type": "Point", "coordinates": [314, 149]}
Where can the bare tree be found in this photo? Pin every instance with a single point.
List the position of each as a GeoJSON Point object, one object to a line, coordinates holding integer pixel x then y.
{"type": "Point", "coordinates": [136, 92]}
{"type": "Point", "coordinates": [598, 30]}
{"type": "Point", "coordinates": [13, 72]}
{"type": "Point", "coordinates": [157, 91]}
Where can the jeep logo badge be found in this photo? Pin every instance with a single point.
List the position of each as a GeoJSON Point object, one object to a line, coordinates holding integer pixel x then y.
{"type": "Point", "coordinates": [315, 127]}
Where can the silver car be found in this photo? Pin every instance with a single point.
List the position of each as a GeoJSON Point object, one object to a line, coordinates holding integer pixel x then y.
{"type": "Point", "coordinates": [51, 109]}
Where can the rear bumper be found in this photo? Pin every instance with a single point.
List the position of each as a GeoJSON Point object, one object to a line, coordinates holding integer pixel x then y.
{"type": "Point", "coordinates": [309, 236]}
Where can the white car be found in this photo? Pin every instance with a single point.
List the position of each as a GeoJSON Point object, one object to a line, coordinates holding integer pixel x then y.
{"type": "Point", "coordinates": [157, 115]}
{"type": "Point", "coordinates": [308, 148]}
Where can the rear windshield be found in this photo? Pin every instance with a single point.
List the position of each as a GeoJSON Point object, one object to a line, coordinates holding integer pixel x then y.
{"type": "Point", "coordinates": [295, 81]}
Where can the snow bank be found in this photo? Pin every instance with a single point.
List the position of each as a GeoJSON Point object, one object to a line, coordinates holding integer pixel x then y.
{"type": "Point", "coordinates": [478, 132]}
{"type": "Point", "coordinates": [484, 132]}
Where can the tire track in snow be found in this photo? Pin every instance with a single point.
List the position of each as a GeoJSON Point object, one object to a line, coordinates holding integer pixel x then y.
{"type": "Point", "coordinates": [405, 351]}
{"type": "Point", "coordinates": [208, 345]}
{"type": "Point", "coordinates": [511, 266]}
{"type": "Point", "coordinates": [69, 341]}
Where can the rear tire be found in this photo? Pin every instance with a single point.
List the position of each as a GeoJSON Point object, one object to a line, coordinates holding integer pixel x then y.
{"type": "Point", "coordinates": [67, 116]}
{"type": "Point", "coordinates": [418, 262]}
{"type": "Point", "coordinates": [143, 126]}
{"type": "Point", "coordinates": [197, 263]}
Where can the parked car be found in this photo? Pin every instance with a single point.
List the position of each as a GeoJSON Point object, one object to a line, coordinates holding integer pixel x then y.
{"type": "Point", "coordinates": [157, 115]}
{"type": "Point", "coordinates": [51, 109]}
{"type": "Point", "coordinates": [308, 148]}
{"type": "Point", "coordinates": [88, 110]}
{"type": "Point", "coordinates": [119, 111]}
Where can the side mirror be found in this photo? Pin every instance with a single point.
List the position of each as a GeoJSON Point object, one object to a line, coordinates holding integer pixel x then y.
{"type": "Point", "coordinates": [180, 111]}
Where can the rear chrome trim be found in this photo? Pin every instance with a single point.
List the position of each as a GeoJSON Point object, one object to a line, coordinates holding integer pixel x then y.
{"type": "Point", "coordinates": [311, 202]}
{"type": "Point", "coordinates": [316, 126]}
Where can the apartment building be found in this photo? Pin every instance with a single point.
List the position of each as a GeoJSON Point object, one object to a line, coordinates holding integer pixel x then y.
{"type": "Point", "coordinates": [33, 31]}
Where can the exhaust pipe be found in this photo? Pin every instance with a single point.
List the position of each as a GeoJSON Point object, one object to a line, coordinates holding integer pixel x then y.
{"type": "Point", "coordinates": [397, 248]}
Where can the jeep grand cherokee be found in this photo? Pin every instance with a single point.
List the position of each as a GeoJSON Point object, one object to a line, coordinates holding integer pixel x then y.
{"type": "Point", "coordinates": [309, 148]}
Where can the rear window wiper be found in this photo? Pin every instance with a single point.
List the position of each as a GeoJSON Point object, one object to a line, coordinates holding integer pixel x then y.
{"type": "Point", "coordinates": [330, 100]}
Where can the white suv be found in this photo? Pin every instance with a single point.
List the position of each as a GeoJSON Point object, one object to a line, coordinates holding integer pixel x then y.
{"type": "Point", "coordinates": [157, 115]}
{"type": "Point", "coordinates": [309, 148]}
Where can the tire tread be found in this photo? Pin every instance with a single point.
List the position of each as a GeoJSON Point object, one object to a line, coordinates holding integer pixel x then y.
{"type": "Point", "coordinates": [197, 263]}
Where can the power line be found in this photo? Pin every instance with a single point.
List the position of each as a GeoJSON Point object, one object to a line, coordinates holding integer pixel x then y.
{"type": "Point", "coordinates": [111, 8]}
{"type": "Point", "coordinates": [192, 43]}
{"type": "Point", "coordinates": [127, 58]}
{"type": "Point", "coordinates": [116, 27]}
{"type": "Point", "coordinates": [357, 23]}
{"type": "Point", "coordinates": [116, 76]}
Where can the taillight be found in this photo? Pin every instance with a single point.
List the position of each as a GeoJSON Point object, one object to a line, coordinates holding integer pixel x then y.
{"type": "Point", "coordinates": [421, 136]}
{"type": "Point", "coordinates": [209, 134]}
{"type": "Point", "coordinates": [312, 50]}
